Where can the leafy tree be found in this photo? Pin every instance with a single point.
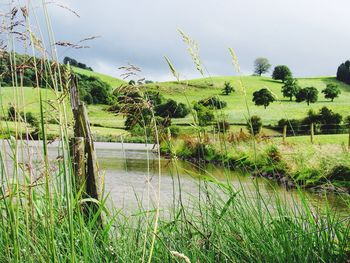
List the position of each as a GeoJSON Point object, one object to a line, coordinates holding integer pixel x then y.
{"type": "Point", "coordinates": [254, 125]}
{"type": "Point", "coordinates": [227, 88]}
{"type": "Point", "coordinates": [331, 92]}
{"type": "Point", "coordinates": [263, 97]}
{"type": "Point", "coordinates": [281, 72]}
{"type": "Point", "coordinates": [213, 102]}
{"type": "Point", "coordinates": [290, 88]}
{"type": "Point", "coordinates": [261, 66]}
{"type": "Point", "coordinates": [308, 94]}
{"type": "Point", "coordinates": [343, 73]}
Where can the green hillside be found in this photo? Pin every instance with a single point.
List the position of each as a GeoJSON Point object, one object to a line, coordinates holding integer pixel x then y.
{"type": "Point", "coordinates": [236, 109]}
{"type": "Point", "coordinates": [194, 90]}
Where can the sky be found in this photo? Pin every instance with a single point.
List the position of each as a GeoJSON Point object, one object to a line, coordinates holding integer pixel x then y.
{"type": "Point", "coordinates": [310, 36]}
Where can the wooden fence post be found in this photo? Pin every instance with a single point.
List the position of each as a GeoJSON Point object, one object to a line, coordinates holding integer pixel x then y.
{"type": "Point", "coordinates": [78, 154]}
{"type": "Point", "coordinates": [312, 132]}
{"type": "Point", "coordinates": [284, 133]}
{"type": "Point", "coordinates": [82, 130]}
{"type": "Point", "coordinates": [349, 138]}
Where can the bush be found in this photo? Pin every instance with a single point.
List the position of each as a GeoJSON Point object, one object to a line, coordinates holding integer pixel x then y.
{"type": "Point", "coordinates": [205, 115]}
{"type": "Point", "coordinates": [330, 121]}
{"type": "Point", "coordinates": [88, 98]}
{"type": "Point", "coordinates": [172, 109]}
{"type": "Point", "coordinates": [254, 125]}
{"type": "Point", "coordinates": [293, 126]}
{"type": "Point", "coordinates": [11, 113]}
{"type": "Point", "coordinates": [213, 102]}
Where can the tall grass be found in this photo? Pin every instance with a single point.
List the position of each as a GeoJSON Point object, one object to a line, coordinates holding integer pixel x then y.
{"type": "Point", "coordinates": [44, 218]}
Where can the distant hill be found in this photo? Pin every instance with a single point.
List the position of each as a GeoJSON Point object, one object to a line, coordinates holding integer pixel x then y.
{"type": "Point", "coordinates": [112, 81]}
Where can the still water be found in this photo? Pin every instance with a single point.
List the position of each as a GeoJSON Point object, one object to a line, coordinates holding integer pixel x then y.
{"type": "Point", "coordinates": [134, 176]}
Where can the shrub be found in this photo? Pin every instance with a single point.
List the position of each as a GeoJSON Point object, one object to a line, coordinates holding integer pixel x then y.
{"type": "Point", "coordinates": [227, 88]}
{"type": "Point", "coordinates": [213, 102]}
{"type": "Point", "coordinates": [254, 125]}
{"type": "Point", "coordinates": [11, 113]}
{"type": "Point", "coordinates": [293, 126]}
{"type": "Point", "coordinates": [330, 121]}
{"type": "Point", "coordinates": [172, 109]}
{"type": "Point", "coordinates": [88, 98]}
{"type": "Point", "coordinates": [205, 115]}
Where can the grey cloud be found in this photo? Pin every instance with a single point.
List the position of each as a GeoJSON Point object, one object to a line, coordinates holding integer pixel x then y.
{"type": "Point", "coordinates": [309, 36]}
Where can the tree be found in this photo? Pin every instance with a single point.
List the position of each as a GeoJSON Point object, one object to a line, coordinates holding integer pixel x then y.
{"type": "Point", "coordinates": [308, 94]}
{"type": "Point", "coordinates": [331, 92]}
{"type": "Point", "coordinates": [290, 88]}
{"type": "Point", "coordinates": [281, 72]}
{"type": "Point", "coordinates": [227, 88]}
{"type": "Point", "coordinates": [261, 66]}
{"type": "Point", "coordinates": [263, 97]}
{"type": "Point", "coordinates": [254, 125]}
{"type": "Point", "coordinates": [343, 73]}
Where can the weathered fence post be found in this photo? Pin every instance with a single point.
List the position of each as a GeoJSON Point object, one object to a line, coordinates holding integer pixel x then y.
{"type": "Point", "coordinates": [284, 133]}
{"type": "Point", "coordinates": [78, 154]}
{"type": "Point", "coordinates": [349, 138]}
{"type": "Point", "coordinates": [83, 135]}
{"type": "Point", "coordinates": [312, 132]}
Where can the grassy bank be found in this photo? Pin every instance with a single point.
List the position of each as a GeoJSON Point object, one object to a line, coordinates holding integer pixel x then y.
{"type": "Point", "coordinates": [323, 165]}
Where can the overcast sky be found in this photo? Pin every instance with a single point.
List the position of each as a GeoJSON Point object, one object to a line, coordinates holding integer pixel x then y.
{"type": "Point", "coordinates": [310, 36]}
